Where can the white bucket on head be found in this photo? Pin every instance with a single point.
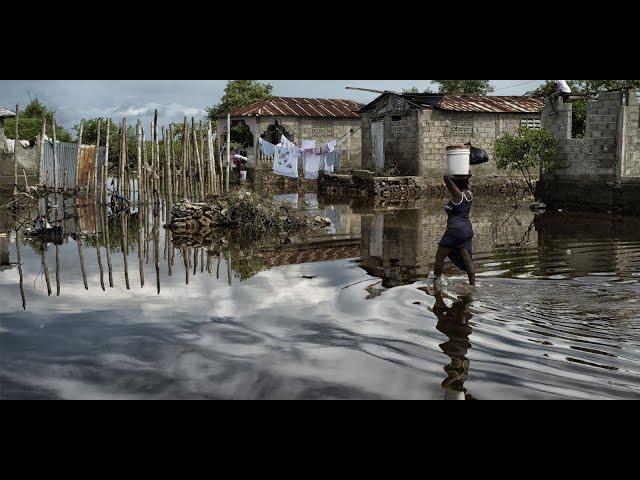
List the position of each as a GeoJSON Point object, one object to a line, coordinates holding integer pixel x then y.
{"type": "Point", "coordinates": [459, 157]}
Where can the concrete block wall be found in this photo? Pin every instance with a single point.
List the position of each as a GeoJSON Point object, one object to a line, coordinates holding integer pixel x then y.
{"type": "Point", "coordinates": [439, 129]}
{"type": "Point", "coordinates": [630, 156]}
{"type": "Point", "coordinates": [593, 157]}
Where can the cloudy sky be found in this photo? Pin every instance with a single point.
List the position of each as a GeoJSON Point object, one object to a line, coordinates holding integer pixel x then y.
{"type": "Point", "coordinates": [76, 99]}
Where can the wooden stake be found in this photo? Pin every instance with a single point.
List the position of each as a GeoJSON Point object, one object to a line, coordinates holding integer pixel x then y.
{"type": "Point", "coordinates": [211, 158]}
{"type": "Point", "coordinates": [96, 164]}
{"type": "Point", "coordinates": [41, 173]}
{"type": "Point", "coordinates": [55, 156]}
{"type": "Point", "coordinates": [98, 252]}
{"type": "Point", "coordinates": [46, 269]}
{"type": "Point", "coordinates": [139, 159]}
{"type": "Point", "coordinates": [123, 156]}
{"type": "Point", "coordinates": [228, 149]}
{"type": "Point", "coordinates": [197, 157]}
{"type": "Point", "coordinates": [108, 246]}
{"type": "Point", "coordinates": [57, 271]}
{"type": "Point", "coordinates": [15, 153]}
{"type": "Point", "coordinates": [105, 167]}
{"type": "Point", "coordinates": [156, 157]}
{"type": "Point", "coordinates": [24, 303]}
{"type": "Point", "coordinates": [79, 152]}
{"type": "Point", "coordinates": [80, 254]}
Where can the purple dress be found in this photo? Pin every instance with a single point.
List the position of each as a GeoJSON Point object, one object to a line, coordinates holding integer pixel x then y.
{"type": "Point", "coordinates": [459, 232]}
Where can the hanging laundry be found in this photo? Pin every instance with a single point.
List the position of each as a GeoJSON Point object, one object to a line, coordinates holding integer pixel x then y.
{"type": "Point", "coordinates": [308, 144]}
{"type": "Point", "coordinates": [285, 161]}
{"type": "Point", "coordinates": [311, 164]}
{"type": "Point", "coordinates": [332, 161]}
{"type": "Point", "coordinates": [268, 149]}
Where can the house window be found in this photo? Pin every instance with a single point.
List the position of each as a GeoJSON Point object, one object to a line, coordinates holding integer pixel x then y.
{"type": "Point", "coordinates": [461, 126]}
{"type": "Point", "coordinates": [322, 129]}
{"type": "Point", "coordinates": [533, 123]}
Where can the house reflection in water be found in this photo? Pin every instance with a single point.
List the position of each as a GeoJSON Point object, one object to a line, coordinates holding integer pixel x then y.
{"type": "Point", "coordinates": [399, 246]}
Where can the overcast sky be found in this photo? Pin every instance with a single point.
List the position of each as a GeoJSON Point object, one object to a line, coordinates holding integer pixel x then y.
{"type": "Point", "coordinates": [76, 99]}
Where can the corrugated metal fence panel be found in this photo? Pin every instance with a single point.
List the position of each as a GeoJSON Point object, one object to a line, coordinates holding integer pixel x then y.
{"type": "Point", "coordinates": [66, 159]}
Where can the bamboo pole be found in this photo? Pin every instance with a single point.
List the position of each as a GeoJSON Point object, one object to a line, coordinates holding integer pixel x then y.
{"type": "Point", "coordinates": [55, 157]}
{"type": "Point", "coordinates": [64, 179]}
{"type": "Point", "coordinates": [15, 153]}
{"type": "Point", "coordinates": [96, 164]}
{"type": "Point", "coordinates": [105, 166]}
{"type": "Point", "coordinates": [41, 173]}
{"type": "Point", "coordinates": [80, 132]}
{"type": "Point", "coordinates": [164, 170]}
{"type": "Point", "coordinates": [228, 148]}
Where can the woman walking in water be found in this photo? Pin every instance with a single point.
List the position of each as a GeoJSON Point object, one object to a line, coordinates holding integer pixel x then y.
{"type": "Point", "coordinates": [457, 240]}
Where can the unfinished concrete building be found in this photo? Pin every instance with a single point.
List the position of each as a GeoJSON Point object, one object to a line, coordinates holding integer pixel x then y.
{"type": "Point", "coordinates": [602, 169]}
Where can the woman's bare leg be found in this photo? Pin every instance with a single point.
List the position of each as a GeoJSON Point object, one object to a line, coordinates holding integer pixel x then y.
{"type": "Point", "coordinates": [468, 263]}
{"type": "Point", "coordinates": [440, 256]}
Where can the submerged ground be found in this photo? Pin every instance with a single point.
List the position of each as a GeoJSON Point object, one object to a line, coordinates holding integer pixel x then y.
{"type": "Point", "coordinates": [347, 314]}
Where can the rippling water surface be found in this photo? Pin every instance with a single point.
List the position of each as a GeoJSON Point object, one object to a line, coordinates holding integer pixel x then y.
{"type": "Point", "coordinates": [346, 315]}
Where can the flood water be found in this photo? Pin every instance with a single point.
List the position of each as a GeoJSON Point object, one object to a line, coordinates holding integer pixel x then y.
{"type": "Point", "coordinates": [348, 314]}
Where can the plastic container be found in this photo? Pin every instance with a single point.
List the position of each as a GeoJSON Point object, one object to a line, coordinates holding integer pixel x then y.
{"type": "Point", "coordinates": [243, 175]}
{"type": "Point", "coordinates": [459, 158]}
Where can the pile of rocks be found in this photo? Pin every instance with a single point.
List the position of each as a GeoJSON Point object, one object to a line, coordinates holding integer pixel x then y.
{"type": "Point", "coordinates": [245, 211]}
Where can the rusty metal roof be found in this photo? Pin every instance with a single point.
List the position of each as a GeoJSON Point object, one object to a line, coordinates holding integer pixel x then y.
{"type": "Point", "coordinates": [299, 107]}
{"type": "Point", "coordinates": [492, 104]}
{"type": "Point", "coordinates": [6, 113]}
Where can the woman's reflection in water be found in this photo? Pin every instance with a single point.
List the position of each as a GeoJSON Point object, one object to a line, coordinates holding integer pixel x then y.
{"type": "Point", "coordinates": [454, 323]}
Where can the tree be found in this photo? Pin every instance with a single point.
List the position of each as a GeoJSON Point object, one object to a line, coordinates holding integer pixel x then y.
{"type": "Point", "coordinates": [579, 106]}
{"type": "Point", "coordinates": [411, 90]}
{"type": "Point", "coordinates": [463, 87]}
{"type": "Point", "coordinates": [529, 149]}
{"type": "Point", "coordinates": [238, 94]}
{"type": "Point", "coordinates": [31, 119]}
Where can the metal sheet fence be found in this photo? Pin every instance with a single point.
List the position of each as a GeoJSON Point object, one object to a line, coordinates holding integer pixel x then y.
{"type": "Point", "coordinates": [67, 159]}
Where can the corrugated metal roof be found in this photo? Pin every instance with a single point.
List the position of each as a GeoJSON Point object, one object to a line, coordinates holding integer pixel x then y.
{"type": "Point", "coordinates": [5, 112]}
{"type": "Point", "coordinates": [299, 107]}
{"type": "Point", "coordinates": [492, 104]}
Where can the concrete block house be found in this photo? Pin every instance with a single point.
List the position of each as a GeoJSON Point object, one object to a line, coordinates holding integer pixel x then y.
{"type": "Point", "coordinates": [407, 134]}
{"type": "Point", "coordinates": [318, 119]}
